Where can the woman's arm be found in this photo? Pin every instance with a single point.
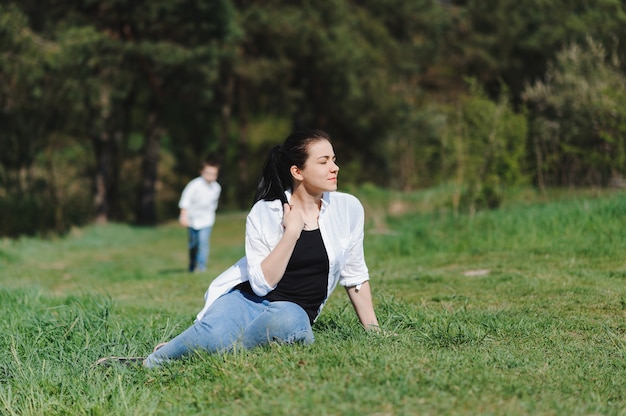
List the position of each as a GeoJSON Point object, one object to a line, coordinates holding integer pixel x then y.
{"type": "Point", "coordinates": [267, 263]}
{"type": "Point", "coordinates": [275, 264]}
{"type": "Point", "coordinates": [364, 307]}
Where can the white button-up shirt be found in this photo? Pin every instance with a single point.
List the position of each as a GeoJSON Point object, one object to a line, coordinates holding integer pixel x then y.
{"type": "Point", "coordinates": [341, 226]}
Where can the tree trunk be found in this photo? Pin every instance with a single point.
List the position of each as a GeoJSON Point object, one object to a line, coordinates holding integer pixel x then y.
{"type": "Point", "coordinates": [106, 141]}
{"type": "Point", "coordinates": [101, 177]}
{"type": "Point", "coordinates": [226, 98]}
{"type": "Point", "coordinates": [244, 198]}
{"type": "Point", "coordinates": [146, 211]}
{"type": "Point", "coordinates": [539, 162]}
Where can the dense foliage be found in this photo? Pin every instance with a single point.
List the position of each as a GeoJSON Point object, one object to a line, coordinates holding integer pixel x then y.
{"type": "Point", "coordinates": [107, 108]}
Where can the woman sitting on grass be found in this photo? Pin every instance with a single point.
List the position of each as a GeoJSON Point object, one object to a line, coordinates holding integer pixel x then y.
{"type": "Point", "coordinates": [302, 239]}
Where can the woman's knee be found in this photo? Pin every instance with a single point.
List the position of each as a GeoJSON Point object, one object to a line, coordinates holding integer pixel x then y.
{"type": "Point", "coordinates": [289, 323]}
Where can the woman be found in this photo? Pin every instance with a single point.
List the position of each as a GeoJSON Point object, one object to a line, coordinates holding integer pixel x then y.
{"type": "Point", "coordinates": [302, 239]}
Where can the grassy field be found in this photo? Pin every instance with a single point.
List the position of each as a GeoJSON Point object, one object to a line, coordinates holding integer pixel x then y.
{"type": "Point", "coordinates": [519, 311]}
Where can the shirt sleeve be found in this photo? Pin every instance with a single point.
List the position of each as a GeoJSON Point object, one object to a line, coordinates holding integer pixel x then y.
{"type": "Point", "coordinates": [258, 245]}
{"type": "Point", "coordinates": [218, 194]}
{"type": "Point", "coordinates": [185, 198]}
{"type": "Point", "coordinates": [354, 271]}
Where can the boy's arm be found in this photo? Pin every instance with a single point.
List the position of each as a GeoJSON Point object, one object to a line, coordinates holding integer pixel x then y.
{"type": "Point", "coordinates": [183, 218]}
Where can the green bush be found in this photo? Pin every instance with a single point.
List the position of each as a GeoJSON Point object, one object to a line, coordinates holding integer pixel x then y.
{"type": "Point", "coordinates": [484, 148]}
{"type": "Point", "coordinates": [579, 123]}
{"type": "Point", "coordinates": [35, 214]}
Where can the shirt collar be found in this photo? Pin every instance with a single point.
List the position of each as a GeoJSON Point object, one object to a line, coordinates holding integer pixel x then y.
{"type": "Point", "coordinates": [325, 202]}
{"type": "Point", "coordinates": [276, 204]}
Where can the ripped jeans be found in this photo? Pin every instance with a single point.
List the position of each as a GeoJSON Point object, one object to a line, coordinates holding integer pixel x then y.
{"type": "Point", "coordinates": [238, 319]}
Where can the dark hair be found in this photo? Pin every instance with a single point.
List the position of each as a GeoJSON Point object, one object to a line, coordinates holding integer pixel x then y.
{"type": "Point", "coordinates": [210, 161]}
{"type": "Point", "coordinates": [276, 177]}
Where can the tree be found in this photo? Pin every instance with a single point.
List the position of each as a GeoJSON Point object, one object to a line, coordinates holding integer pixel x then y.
{"type": "Point", "coordinates": [506, 42]}
{"type": "Point", "coordinates": [579, 117]}
{"type": "Point", "coordinates": [29, 118]}
{"type": "Point", "coordinates": [124, 67]}
{"type": "Point", "coordinates": [485, 145]}
{"type": "Point", "coordinates": [344, 66]}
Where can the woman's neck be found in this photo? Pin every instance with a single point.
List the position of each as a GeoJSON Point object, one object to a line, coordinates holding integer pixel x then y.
{"type": "Point", "coordinates": [308, 203]}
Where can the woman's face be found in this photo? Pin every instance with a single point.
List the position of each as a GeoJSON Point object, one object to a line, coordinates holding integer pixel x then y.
{"type": "Point", "coordinates": [319, 173]}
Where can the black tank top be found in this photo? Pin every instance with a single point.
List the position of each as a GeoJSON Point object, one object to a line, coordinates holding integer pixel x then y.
{"type": "Point", "coordinates": [305, 281]}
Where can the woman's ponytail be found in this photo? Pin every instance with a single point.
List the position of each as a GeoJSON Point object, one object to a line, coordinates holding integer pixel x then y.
{"type": "Point", "coordinates": [271, 186]}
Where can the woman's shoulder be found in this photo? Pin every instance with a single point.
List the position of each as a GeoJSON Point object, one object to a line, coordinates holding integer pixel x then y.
{"type": "Point", "coordinates": [344, 198]}
{"type": "Point", "coordinates": [263, 207]}
{"type": "Point", "coordinates": [263, 204]}
{"type": "Point", "coordinates": [345, 204]}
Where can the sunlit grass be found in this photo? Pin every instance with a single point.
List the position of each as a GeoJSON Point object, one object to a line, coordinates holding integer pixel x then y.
{"type": "Point", "coordinates": [516, 311]}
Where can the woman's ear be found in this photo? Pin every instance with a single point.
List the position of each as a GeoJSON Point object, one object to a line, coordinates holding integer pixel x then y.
{"type": "Point", "coordinates": [296, 173]}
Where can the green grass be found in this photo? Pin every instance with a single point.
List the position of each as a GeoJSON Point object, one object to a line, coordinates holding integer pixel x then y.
{"type": "Point", "coordinates": [519, 311]}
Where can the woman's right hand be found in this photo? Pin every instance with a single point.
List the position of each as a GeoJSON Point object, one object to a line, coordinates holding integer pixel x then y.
{"type": "Point", "coordinates": [293, 220]}
{"type": "Point", "coordinates": [275, 264]}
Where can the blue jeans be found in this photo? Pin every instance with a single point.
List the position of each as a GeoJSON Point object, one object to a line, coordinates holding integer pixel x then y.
{"type": "Point", "coordinates": [199, 248]}
{"type": "Point", "coordinates": [238, 319]}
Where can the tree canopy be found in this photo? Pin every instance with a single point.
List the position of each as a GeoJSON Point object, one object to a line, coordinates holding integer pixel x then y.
{"type": "Point", "coordinates": [107, 108]}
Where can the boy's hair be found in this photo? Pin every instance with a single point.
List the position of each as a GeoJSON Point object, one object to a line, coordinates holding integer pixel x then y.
{"type": "Point", "coordinates": [210, 161]}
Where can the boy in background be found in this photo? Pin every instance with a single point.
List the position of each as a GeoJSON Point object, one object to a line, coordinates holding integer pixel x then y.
{"type": "Point", "coordinates": [197, 204]}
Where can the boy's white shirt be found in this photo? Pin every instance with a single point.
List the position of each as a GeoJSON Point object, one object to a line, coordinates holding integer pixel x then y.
{"type": "Point", "coordinates": [200, 199]}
